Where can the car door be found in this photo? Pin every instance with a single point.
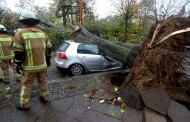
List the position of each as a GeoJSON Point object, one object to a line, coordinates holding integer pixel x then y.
{"type": "Point", "coordinates": [90, 56]}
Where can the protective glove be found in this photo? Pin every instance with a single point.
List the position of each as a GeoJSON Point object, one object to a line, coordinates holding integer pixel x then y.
{"type": "Point", "coordinates": [48, 60]}
{"type": "Point", "coordinates": [18, 66]}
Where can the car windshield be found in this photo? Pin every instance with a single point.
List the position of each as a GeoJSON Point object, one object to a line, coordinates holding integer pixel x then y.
{"type": "Point", "coordinates": [63, 47]}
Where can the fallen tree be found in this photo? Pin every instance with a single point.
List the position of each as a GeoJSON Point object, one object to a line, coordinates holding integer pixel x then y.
{"type": "Point", "coordinates": [125, 53]}
{"type": "Point", "coordinates": [161, 61]}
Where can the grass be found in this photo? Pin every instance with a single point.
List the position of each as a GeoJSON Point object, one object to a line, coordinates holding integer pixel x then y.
{"type": "Point", "coordinates": [112, 113]}
{"type": "Point", "coordinates": [2, 93]}
{"type": "Point", "coordinates": [70, 86]}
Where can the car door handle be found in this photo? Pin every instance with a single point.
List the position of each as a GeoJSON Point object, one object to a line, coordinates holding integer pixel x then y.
{"type": "Point", "coordinates": [83, 57]}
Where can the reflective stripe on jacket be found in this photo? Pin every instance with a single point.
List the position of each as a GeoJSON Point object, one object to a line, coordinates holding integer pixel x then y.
{"type": "Point", "coordinates": [34, 44]}
{"type": "Point", "coordinates": [6, 52]}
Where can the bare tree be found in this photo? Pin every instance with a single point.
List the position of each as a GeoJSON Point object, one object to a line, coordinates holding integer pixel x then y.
{"type": "Point", "coordinates": [161, 10]}
{"type": "Point", "coordinates": [29, 4]}
{"type": "Point", "coordinates": [69, 10]}
{"type": "Point", "coordinates": [2, 6]}
{"type": "Point", "coordinates": [127, 8]}
{"type": "Point", "coordinates": [8, 18]}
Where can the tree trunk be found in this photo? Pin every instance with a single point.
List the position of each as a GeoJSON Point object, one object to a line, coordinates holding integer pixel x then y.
{"type": "Point", "coordinates": [122, 52]}
{"type": "Point", "coordinates": [126, 28]}
{"type": "Point", "coordinates": [64, 20]}
{"type": "Point", "coordinates": [72, 19]}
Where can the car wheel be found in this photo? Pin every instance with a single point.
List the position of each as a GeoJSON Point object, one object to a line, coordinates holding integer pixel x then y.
{"type": "Point", "coordinates": [76, 69]}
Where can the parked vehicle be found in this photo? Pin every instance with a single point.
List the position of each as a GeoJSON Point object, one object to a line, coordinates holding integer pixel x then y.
{"type": "Point", "coordinates": [78, 58]}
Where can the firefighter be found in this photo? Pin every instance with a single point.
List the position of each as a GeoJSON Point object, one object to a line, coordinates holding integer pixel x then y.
{"type": "Point", "coordinates": [6, 53]}
{"type": "Point", "coordinates": [16, 69]}
{"type": "Point", "coordinates": [32, 51]}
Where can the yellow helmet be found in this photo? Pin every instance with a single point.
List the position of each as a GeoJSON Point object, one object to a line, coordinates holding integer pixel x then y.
{"type": "Point", "coordinates": [28, 17]}
{"type": "Point", "coordinates": [3, 29]}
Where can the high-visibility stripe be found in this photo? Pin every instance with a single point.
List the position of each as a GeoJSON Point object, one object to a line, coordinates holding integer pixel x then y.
{"type": "Point", "coordinates": [25, 99]}
{"type": "Point", "coordinates": [18, 46]}
{"type": "Point", "coordinates": [17, 75]}
{"type": "Point", "coordinates": [49, 43]}
{"type": "Point", "coordinates": [6, 39]}
{"type": "Point", "coordinates": [44, 45]}
{"type": "Point", "coordinates": [1, 51]}
{"type": "Point", "coordinates": [29, 53]}
{"type": "Point", "coordinates": [10, 56]}
{"type": "Point", "coordinates": [35, 67]}
{"type": "Point", "coordinates": [43, 94]}
{"type": "Point", "coordinates": [33, 35]}
{"type": "Point", "coordinates": [22, 92]}
{"type": "Point", "coordinates": [22, 99]}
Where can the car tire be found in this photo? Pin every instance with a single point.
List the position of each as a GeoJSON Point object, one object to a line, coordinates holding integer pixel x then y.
{"type": "Point", "coordinates": [76, 69]}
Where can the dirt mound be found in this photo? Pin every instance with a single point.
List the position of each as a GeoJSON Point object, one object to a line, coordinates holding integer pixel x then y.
{"type": "Point", "coordinates": [163, 65]}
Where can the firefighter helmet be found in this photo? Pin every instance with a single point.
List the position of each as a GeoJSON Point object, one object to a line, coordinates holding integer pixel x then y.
{"type": "Point", "coordinates": [3, 29]}
{"type": "Point", "coordinates": [28, 17]}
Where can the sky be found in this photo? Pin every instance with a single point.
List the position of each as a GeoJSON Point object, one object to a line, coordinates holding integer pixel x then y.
{"type": "Point", "coordinates": [102, 8]}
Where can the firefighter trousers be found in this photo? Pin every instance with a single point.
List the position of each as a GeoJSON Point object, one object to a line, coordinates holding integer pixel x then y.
{"type": "Point", "coordinates": [27, 82]}
{"type": "Point", "coordinates": [4, 64]}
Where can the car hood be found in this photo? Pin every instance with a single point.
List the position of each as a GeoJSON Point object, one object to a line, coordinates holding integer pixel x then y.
{"type": "Point", "coordinates": [113, 64]}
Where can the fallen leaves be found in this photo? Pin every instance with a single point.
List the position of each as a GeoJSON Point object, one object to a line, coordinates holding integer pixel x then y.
{"type": "Point", "coordinates": [102, 101]}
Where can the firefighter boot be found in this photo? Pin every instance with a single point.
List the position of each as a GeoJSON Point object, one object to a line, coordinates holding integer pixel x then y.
{"type": "Point", "coordinates": [43, 100]}
{"type": "Point", "coordinates": [19, 107]}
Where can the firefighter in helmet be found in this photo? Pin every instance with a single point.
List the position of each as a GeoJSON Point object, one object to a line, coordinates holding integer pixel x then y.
{"type": "Point", "coordinates": [32, 50]}
{"type": "Point", "coordinates": [6, 53]}
{"type": "Point", "coordinates": [16, 69]}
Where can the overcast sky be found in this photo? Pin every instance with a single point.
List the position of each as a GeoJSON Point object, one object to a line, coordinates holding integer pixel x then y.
{"type": "Point", "coordinates": [102, 8]}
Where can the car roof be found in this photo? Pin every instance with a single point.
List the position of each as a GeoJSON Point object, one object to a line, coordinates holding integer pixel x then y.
{"type": "Point", "coordinates": [71, 41]}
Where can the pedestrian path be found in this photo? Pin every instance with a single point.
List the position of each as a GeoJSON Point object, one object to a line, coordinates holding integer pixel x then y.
{"type": "Point", "coordinates": [74, 99]}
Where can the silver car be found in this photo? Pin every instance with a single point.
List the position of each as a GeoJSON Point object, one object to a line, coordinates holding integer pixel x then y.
{"type": "Point", "coordinates": [80, 58]}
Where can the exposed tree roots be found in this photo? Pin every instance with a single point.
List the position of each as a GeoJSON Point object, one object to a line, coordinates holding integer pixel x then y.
{"type": "Point", "coordinates": [164, 65]}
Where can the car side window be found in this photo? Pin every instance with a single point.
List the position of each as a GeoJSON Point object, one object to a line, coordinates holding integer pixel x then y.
{"type": "Point", "coordinates": [91, 49]}
{"type": "Point", "coordinates": [88, 49]}
{"type": "Point", "coordinates": [80, 49]}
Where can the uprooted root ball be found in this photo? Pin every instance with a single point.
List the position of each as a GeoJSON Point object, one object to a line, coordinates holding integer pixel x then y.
{"type": "Point", "coordinates": [163, 65]}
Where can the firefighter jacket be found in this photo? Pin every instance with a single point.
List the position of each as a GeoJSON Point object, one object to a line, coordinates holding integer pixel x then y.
{"type": "Point", "coordinates": [6, 52]}
{"type": "Point", "coordinates": [34, 44]}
